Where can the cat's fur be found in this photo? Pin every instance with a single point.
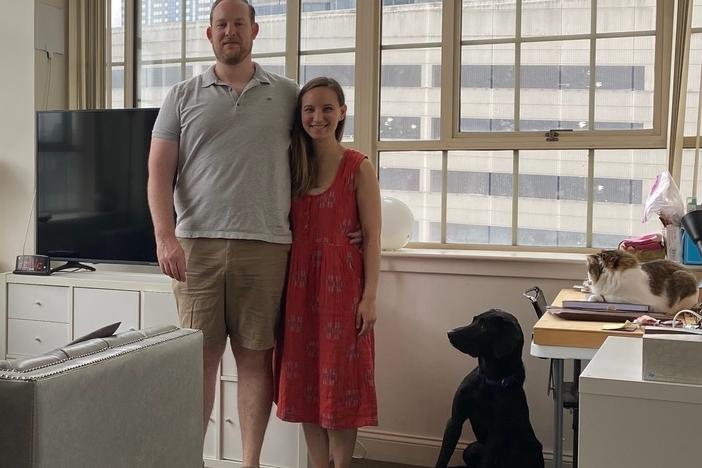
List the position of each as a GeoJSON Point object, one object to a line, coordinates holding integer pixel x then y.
{"type": "Point", "coordinates": [663, 285]}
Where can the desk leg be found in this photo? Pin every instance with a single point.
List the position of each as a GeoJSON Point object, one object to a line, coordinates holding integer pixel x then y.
{"type": "Point", "coordinates": [558, 412]}
{"type": "Point", "coordinates": [576, 412]}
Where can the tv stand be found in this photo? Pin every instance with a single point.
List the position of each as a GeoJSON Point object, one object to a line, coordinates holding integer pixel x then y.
{"type": "Point", "coordinates": [72, 265]}
{"type": "Point", "coordinates": [40, 313]}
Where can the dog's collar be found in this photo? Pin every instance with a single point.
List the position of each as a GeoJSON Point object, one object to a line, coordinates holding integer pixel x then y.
{"type": "Point", "coordinates": [505, 382]}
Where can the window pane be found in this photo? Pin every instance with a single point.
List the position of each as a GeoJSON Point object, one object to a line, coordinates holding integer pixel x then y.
{"type": "Point", "coordinates": [337, 66]}
{"type": "Point", "coordinates": [686, 177]}
{"type": "Point", "coordinates": [697, 14]}
{"type": "Point", "coordinates": [623, 180]}
{"type": "Point", "coordinates": [159, 34]}
{"type": "Point", "coordinates": [487, 88]}
{"type": "Point", "coordinates": [554, 80]}
{"type": "Point", "coordinates": [197, 21]}
{"type": "Point", "coordinates": [479, 199]}
{"type": "Point", "coordinates": [555, 18]}
{"type": "Point", "coordinates": [626, 15]}
{"type": "Point", "coordinates": [196, 68]}
{"type": "Point", "coordinates": [624, 83]}
{"type": "Point", "coordinates": [407, 177]}
{"type": "Point", "coordinates": [424, 16]}
{"type": "Point", "coordinates": [118, 88]}
{"type": "Point", "coordinates": [272, 64]}
{"type": "Point", "coordinates": [117, 30]}
{"type": "Point", "coordinates": [486, 20]}
{"type": "Point", "coordinates": [327, 24]}
{"type": "Point", "coordinates": [552, 198]}
{"type": "Point", "coordinates": [409, 93]}
{"type": "Point", "coordinates": [153, 81]}
{"type": "Point", "coordinates": [270, 16]}
{"type": "Point", "coordinates": [693, 85]}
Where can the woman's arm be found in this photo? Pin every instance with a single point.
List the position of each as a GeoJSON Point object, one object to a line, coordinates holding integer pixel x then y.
{"type": "Point", "coordinates": [368, 201]}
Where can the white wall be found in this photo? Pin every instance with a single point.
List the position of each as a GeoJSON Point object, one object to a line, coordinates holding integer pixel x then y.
{"type": "Point", "coordinates": [50, 55]}
{"type": "Point", "coordinates": [16, 127]}
{"type": "Point", "coordinates": [419, 300]}
{"type": "Point", "coordinates": [417, 370]}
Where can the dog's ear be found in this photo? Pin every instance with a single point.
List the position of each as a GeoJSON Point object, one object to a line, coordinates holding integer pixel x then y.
{"type": "Point", "coordinates": [510, 338]}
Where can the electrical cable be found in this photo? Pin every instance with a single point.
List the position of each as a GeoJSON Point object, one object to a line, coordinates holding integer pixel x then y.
{"type": "Point", "coordinates": [686, 311]}
{"type": "Point", "coordinates": [48, 80]}
{"type": "Point", "coordinates": [29, 219]}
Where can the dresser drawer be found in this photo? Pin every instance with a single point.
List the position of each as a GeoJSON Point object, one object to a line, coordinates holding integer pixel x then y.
{"type": "Point", "coordinates": [95, 308]}
{"type": "Point", "coordinates": [34, 302]}
{"type": "Point", "coordinates": [30, 337]}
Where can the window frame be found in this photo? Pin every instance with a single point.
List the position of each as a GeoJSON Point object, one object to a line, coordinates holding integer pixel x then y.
{"type": "Point", "coordinates": [367, 69]}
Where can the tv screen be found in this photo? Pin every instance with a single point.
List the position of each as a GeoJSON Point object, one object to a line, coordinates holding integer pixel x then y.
{"type": "Point", "coordinates": [91, 186]}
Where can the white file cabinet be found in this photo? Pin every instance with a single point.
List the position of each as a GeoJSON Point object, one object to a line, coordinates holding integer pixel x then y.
{"type": "Point", "coordinates": [628, 422]}
{"type": "Point", "coordinates": [41, 313]}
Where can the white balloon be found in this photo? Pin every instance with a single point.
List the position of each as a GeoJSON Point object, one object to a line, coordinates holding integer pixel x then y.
{"type": "Point", "coordinates": [398, 222]}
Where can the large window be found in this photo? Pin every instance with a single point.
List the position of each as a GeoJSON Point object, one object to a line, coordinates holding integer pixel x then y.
{"type": "Point", "coordinates": [508, 124]}
{"type": "Point", "coordinates": [690, 178]}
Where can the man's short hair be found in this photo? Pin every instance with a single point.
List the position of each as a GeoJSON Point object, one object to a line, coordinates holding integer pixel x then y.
{"type": "Point", "coordinates": [252, 10]}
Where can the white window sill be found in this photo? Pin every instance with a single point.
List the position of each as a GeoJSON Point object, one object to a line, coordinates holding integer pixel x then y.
{"type": "Point", "coordinates": [486, 263]}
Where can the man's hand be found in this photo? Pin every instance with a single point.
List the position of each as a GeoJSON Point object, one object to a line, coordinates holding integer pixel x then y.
{"type": "Point", "coordinates": [355, 237]}
{"type": "Point", "coordinates": [365, 317]}
{"type": "Point", "coordinates": [171, 258]}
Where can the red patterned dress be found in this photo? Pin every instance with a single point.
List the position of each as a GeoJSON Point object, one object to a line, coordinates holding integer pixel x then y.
{"type": "Point", "coordinates": [325, 371]}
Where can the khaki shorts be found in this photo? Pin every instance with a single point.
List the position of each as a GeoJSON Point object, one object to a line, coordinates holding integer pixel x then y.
{"type": "Point", "coordinates": [233, 288]}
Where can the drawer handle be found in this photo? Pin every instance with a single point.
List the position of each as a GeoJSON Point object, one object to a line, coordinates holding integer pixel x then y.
{"type": "Point", "coordinates": [212, 420]}
{"type": "Point", "coordinates": [229, 421]}
{"type": "Point", "coordinates": [132, 329]}
{"type": "Point", "coordinates": [37, 339]}
{"type": "Point", "coordinates": [38, 302]}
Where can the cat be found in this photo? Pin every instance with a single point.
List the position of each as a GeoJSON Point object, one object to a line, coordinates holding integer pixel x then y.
{"type": "Point", "coordinates": [617, 276]}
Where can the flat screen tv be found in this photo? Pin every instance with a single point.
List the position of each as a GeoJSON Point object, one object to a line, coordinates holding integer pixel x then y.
{"type": "Point", "coordinates": [91, 201]}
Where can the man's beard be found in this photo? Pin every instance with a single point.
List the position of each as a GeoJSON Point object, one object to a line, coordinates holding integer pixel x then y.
{"type": "Point", "coordinates": [234, 58]}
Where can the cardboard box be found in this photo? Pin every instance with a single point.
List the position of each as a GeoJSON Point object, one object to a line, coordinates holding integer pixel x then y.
{"type": "Point", "coordinates": [672, 358]}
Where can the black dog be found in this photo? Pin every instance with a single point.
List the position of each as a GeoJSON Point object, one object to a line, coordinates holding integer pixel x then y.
{"type": "Point", "coordinates": [492, 397]}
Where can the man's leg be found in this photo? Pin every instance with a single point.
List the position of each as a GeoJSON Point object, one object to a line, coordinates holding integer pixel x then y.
{"type": "Point", "coordinates": [211, 357]}
{"type": "Point", "coordinates": [200, 302]}
{"type": "Point", "coordinates": [255, 397]}
{"type": "Point", "coordinates": [255, 282]}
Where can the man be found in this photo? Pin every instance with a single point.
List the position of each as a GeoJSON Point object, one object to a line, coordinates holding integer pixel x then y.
{"type": "Point", "coordinates": [225, 134]}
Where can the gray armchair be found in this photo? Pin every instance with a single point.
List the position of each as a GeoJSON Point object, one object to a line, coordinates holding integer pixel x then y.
{"type": "Point", "coordinates": [126, 401]}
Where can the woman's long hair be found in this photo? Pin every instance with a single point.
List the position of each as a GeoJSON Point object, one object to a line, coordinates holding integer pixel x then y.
{"type": "Point", "coordinates": [303, 167]}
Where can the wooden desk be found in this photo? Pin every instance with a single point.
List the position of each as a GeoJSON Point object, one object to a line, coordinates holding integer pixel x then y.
{"type": "Point", "coordinates": [558, 339]}
{"type": "Point", "coordinates": [554, 331]}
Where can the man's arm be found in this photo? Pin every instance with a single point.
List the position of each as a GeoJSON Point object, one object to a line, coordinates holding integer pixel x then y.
{"type": "Point", "coordinates": [163, 162]}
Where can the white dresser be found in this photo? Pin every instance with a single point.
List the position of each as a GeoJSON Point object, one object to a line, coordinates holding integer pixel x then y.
{"type": "Point", "coordinates": [40, 313]}
{"type": "Point", "coordinates": [627, 422]}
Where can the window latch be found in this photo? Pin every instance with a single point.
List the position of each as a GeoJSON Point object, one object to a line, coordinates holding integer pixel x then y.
{"type": "Point", "coordinates": [552, 135]}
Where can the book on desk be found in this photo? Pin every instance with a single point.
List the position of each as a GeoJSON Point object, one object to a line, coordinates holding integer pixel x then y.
{"type": "Point", "coordinates": [603, 311]}
{"type": "Point", "coordinates": [605, 306]}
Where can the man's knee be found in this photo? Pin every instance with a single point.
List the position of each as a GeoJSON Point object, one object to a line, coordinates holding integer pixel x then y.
{"type": "Point", "coordinates": [256, 361]}
{"type": "Point", "coordinates": [212, 356]}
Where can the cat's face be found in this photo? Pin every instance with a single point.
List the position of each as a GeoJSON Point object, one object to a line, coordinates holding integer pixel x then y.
{"type": "Point", "coordinates": [609, 261]}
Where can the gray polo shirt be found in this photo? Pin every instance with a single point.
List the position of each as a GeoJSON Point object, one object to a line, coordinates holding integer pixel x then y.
{"type": "Point", "coordinates": [233, 177]}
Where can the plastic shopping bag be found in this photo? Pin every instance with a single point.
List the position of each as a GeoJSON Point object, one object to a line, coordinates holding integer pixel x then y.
{"type": "Point", "coordinates": [664, 201]}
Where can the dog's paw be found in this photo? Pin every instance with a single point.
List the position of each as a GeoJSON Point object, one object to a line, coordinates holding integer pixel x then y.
{"type": "Point", "coordinates": [595, 298]}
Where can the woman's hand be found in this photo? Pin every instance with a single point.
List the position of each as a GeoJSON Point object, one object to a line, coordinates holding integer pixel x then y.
{"type": "Point", "coordinates": [355, 237]}
{"type": "Point", "coordinates": [365, 316]}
